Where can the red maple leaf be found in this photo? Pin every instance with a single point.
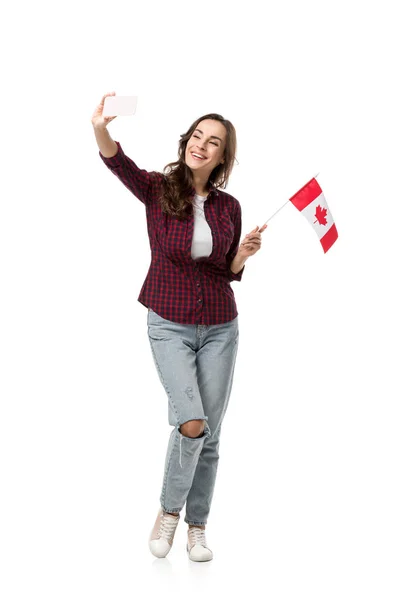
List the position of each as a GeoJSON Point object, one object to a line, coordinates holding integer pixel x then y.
{"type": "Point", "coordinates": [320, 215]}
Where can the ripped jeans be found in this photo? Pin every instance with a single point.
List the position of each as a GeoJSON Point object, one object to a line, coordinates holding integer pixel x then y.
{"type": "Point", "coordinates": [195, 364]}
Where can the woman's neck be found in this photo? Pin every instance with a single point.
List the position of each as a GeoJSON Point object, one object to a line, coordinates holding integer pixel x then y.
{"type": "Point", "coordinates": [201, 186]}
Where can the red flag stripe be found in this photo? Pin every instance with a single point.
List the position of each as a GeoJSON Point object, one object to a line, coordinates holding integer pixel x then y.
{"type": "Point", "coordinates": [329, 238]}
{"type": "Point", "coordinates": [306, 194]}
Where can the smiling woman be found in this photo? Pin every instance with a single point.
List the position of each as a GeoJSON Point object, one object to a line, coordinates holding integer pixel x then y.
{"type": "Point", "coordinates": [206, 156]}
{"type": "Point", "coordinates": [194, 231]}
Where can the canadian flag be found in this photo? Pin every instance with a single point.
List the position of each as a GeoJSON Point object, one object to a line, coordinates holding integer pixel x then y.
{"type": "Point", "coordinates": [310, 201]}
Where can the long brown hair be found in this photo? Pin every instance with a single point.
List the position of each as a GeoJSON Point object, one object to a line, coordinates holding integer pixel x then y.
{"type": "Point", "coordinates": [177, 182]}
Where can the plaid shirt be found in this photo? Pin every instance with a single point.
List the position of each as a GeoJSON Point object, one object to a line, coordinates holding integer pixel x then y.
{"type": "Point", "coordinates": [177, 287]}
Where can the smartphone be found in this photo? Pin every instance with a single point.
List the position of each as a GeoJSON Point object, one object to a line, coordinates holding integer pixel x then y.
{"type": "Point", "coordinates": [119, 106]}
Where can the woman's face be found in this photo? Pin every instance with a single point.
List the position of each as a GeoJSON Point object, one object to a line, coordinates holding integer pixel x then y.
{"type": "Point", "coordinates": [208, 141]}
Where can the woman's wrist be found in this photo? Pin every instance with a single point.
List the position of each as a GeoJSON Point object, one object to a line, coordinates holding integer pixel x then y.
{"type": "Point", "coordinates": [238, 263]}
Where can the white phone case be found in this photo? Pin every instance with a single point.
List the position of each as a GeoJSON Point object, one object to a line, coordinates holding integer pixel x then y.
{"type": "Point", "coordinates": [121, 106]}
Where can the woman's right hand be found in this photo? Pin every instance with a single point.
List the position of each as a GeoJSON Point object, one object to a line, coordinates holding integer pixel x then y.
{"type": "Point", "coordinates": [97, 119]}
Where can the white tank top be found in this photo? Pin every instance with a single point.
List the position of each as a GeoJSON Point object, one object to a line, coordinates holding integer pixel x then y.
{"type": "Point", "coordinates": [202, 236]}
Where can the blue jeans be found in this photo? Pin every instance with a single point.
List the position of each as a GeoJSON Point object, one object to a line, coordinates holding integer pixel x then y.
{"type": "Point", "coordinates": [195, 364]}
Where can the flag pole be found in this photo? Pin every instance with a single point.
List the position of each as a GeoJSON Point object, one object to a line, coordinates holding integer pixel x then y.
{"type": "Point", "coordinates": [276, 212]}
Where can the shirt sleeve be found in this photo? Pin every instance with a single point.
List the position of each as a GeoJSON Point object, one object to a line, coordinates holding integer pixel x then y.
{"type": "Point", "coordinates": [138, 181]}
{"type": "Point", "coordinates": [235, 245]}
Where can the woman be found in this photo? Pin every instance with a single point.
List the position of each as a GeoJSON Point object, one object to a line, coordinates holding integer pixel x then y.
{"type": "Point", "coordinates": [194, 231]}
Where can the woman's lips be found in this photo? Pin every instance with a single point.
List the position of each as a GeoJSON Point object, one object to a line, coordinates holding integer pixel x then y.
{"type": "Point", "coordinates": [195, 157]}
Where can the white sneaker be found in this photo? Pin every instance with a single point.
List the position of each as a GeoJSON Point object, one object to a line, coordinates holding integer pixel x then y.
{"type": "Point", "coordinates": [197, 545]}
{"type": "Point", "coordinates": [162, 535]}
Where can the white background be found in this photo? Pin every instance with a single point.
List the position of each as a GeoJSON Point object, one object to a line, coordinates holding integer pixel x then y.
{"type": "Point", "coordinates": [307, 495]}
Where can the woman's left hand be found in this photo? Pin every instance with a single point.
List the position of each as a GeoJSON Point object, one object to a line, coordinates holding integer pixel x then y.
{"type": "Point", "coordinates": [251, 243]}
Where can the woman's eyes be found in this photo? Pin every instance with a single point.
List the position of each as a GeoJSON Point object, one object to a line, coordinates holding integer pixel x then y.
{"type": "Point", "coordinates": [215, 143]}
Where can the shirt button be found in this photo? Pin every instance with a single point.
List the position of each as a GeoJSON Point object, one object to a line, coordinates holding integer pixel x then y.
{"type": "Point", "coordinates": [199, 300]}
{"type": "Point", "coordinates": [197, 284]}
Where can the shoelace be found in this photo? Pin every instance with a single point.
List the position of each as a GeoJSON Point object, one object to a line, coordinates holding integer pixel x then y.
{"type": "Point", "coordinates": [197, 536]}
{"type": "Point", "coordinates": [167, 526]}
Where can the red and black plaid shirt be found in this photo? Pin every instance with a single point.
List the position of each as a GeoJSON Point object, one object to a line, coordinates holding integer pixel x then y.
{"type": "Point", "coordinates": [177, 287]}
